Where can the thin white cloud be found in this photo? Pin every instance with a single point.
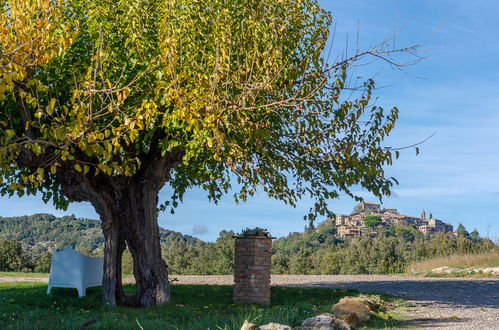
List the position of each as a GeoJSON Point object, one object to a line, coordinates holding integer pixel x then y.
{"type": "Point", "coordinates": [200, 230]}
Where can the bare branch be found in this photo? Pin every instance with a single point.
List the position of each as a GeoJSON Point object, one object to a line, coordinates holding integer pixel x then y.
{"type": "Point", "coordinates": [412, 145]}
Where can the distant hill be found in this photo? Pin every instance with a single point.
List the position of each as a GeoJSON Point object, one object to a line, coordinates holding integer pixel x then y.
{"type": "Point", "coordinates": [44, 232]}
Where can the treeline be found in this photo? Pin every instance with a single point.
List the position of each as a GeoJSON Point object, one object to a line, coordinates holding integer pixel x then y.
{"type": "Point", "coordinates": [27, 242]}
{"type": "Point", "coordinates": [180, 256]}
{"type": "Point", "coordinates": [315, 251]}
{"type": "Point", "coordinates": [320, 251]}
{"type": "Point", "coordinates": [208, 259]}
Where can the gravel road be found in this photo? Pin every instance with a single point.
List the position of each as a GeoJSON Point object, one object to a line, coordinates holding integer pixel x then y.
{"type": "Point", "coordinates": [440, 303]}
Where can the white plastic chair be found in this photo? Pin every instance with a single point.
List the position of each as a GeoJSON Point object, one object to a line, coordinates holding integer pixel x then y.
{"type": "Point", "coordinates": [71, 269]}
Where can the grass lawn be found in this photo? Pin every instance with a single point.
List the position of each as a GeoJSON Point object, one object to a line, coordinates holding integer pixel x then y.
{"type": "Point", "coordinates": [24, 305]}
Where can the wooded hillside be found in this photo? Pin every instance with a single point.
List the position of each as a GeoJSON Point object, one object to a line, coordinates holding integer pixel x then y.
{"type": "Point", "coordinates": [315, 251]}
{"type": "Point", "coordinates": [39, 233]}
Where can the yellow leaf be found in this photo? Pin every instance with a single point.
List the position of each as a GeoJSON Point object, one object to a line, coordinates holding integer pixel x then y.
{"type": "Point", "coordinates": [51, 106]}
{"type": "Point", "coordinates": [85, 169]}
{"type": "Point", "coordinates": [78, 167]}
{"type": "Point", "coordinates": [126, 92]}
{"type": "Point", "coordinates": [53, 169]}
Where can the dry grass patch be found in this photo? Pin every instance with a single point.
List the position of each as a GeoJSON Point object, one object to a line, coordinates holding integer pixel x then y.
{"type": "Point", "coordinates": [475, 260]}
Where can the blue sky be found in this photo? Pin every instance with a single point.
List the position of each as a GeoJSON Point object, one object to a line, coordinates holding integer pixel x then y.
{"type": "Point", "coordinates": [454, 93]}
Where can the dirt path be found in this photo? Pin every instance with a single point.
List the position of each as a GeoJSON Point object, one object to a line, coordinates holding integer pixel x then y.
{"type": "Point", "coordinates": [441, 303]}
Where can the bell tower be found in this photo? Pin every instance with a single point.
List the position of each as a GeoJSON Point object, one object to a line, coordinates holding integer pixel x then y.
{"type": "Point", "coordinates": [423, 214]}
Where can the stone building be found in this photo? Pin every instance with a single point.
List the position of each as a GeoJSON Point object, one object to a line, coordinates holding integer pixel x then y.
{"type": "Point", "coordinates": [352, 224]}
{"type": "Point", "coordinates": [348, 231]}
{"type": "Point", "coordinates": [366, 207]}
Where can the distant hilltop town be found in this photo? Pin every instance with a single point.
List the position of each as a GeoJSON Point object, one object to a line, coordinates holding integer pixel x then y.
{"type": "Point", "coordinates": [353, 224]}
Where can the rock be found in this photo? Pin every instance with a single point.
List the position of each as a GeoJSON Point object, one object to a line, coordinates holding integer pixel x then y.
{"type": "Point", "coordinates": [472, 270]}
{"type": "Point", "coordinates": [351, 305]}
{"type": "Point", "coordinates": [491, 270]}
{"type": "Point", "coordinates": [275, 326]}
{"type": "Point", "coordinates": [325, 321]}
{"type": "Point", "coordinates": [349, 317]}
{"type": "Point", "coordinates": [374, 303]}
{"type": "Point", "coordinates": [446, 270]}
{"type": "Point", "coordinates": [249, 326]}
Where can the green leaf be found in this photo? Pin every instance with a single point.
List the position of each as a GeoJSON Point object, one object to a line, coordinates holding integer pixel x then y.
{"type": "Point", "coordinates": [78, 167]}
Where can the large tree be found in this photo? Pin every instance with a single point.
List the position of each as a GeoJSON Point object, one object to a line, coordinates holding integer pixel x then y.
{"type": "Point", "coordinates": [107, 101]}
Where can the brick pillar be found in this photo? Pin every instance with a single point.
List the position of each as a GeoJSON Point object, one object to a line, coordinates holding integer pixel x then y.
{"type": "Point", "coordinates": [252, 266]}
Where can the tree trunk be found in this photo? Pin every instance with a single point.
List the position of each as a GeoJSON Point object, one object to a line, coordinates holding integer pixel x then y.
{"type": "Point", "coordinates": [130, 220]}
{"type": "Point", "coordinates": [114, 245]}
{"type": "Point", "coordinates": [141, 233]}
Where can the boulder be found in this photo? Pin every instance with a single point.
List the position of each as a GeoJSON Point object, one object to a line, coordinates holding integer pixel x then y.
{"type": "Point", "coordinates": [275, 326]}
{"type": "Point", "coordinates": [491, 270]}
{"type": "Point", "coordinates": [349, 317]}
{"type": "Point", "coordinates": [446, 270]}
{"type": "Point", "coordinates": [351, 305]}
{"type": "Point", "coordinates": [374, 303]}
{"type": "Point", "coordinates": [325, 321]}
{"type": "Point", "coordinates": [247, 325]}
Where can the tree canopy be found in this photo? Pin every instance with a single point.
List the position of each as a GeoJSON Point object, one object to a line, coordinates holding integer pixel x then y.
{"type": "Point", "coordinates": [224, 91]}
{"type": "Point", "coordinates": [106, 101]}
{"type": "Point", "coordinates": [372, 221]}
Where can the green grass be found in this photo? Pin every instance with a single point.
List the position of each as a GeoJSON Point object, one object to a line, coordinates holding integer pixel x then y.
{"type": "Point", "coordinates": [24, 305]}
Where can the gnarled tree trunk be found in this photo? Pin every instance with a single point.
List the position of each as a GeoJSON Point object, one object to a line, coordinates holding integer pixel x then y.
{"type": "Point", "coordinates": [142, 237]}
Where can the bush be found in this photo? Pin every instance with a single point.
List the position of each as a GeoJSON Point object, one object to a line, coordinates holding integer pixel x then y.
{"type": "Point", "coordinates": [372, 221]}
{"type": "Point", "coordinates": [13, 258]}
{"type": "Point", "coordinates": [42, 263]}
